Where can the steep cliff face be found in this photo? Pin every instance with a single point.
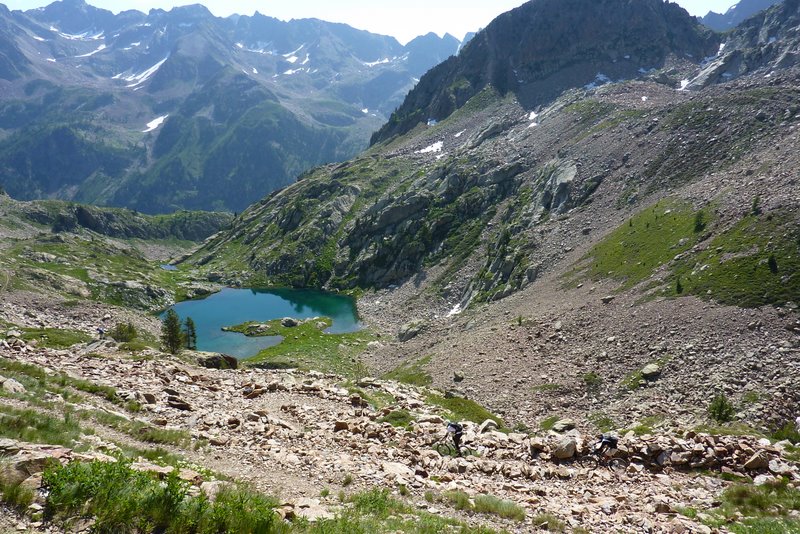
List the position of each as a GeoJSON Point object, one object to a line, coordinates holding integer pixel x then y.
{"type": "Point", "coordinates": [546, 46]}
{"type": "Point", "coordinates": [767, 41]}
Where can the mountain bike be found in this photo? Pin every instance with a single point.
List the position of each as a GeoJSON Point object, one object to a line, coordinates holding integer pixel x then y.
{"type": "Point", "coordinates": [445, 447]}
{"type": "Point", "coordinates": [598, 457]}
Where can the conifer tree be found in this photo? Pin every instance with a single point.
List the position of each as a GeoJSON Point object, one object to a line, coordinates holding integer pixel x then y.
{"type": "Point", "coordinates": [171, 335]}
{"type": "Point", "coordinates": [190, 334]}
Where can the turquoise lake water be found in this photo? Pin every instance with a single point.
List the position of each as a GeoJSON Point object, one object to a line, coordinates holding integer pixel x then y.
{"type": "Point", "coordinates": [231, 307]}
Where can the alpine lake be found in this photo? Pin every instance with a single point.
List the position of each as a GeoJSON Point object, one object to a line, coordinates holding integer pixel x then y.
{"type": "Point", "coordinates": [223, 319]}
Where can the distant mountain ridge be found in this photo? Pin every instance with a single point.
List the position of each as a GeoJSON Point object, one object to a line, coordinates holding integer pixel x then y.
{"type": "Point", "coordinates": [736, 14]}
{"type": "Point", "coordinates": [172, 109]}
{"type": "Point", "coordinates": [545, 46]}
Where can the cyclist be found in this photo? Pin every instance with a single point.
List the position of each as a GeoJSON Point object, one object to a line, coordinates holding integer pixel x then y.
{"type": "Point", "coordinates": [457, 431]}
{"type": "Point", "coordinates": [605, 443]}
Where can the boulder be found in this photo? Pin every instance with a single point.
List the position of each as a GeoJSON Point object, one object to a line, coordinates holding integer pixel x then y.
{"type": "Point", "coordinates": [651, 371]}
{"type": "Point", "coordinates": [289, 322]}
{"type": "Point", "coordinates": [565, 447]}
{"type": "Point", "coordinates": [410, 330]}
{"type": "Point", "coordinates": [563, 425]}
{"type": "Point", "coordinates": [757, 462]}
{"type": "Point", "coordinates": [212, 360]}
{"type": "Point", "coordinates": [11, 386]}
{"type": "Point", "coordinates": [489, 424]}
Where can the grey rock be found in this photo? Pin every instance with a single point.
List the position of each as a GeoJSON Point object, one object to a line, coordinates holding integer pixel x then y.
{"type": "Point", "coordinates": [289, 322]}
{"type": "Point", "coordinates": [489, 424]}
{"type": "Point", "coordinates": [410, 330]}
{"type": "Point", "coordinates": [565, 447]}
{"type": "Point", "coordinates": [651, 371]}
{"type": "Point", "coordinates": [564, 425]}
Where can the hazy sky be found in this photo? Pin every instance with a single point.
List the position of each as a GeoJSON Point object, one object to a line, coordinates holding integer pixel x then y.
{"type": "Point", "coordinates": [404, 19]}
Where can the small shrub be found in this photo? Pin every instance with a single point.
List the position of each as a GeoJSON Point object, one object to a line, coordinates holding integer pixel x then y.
{"type": "Point", "coordinates": [593, 381]}
{"type": "Point", "coordinates": [489, 504]}
{"type": "Point", "coordinates": [429, 497]}
{"type": "Point", "coordinates": [755, 208]}
{"type": "Point", "coordinates": [123, 332]}
{"type": "Point", "coordinates": [548, 423]}
{"type": "Point", "coordinates": [549, 522]}
{"type": "Point", "coordinates": [398, 418]}
{"type": "Point", "coordinates": [458, 499]}
{"type": "Point", "coordinates": [16, 495]}
{"type": "Point", "coordinates": [721, 409]}
{"type": "Point", "coordinates": [347, 480]}
{"type": "Point", "coordinates": [699, 222]}
{"type": "Point", "coordinates": [403, 490]}
{"type": "Point", "coordinates": [325, 492]}
{"type": "Point", "coordinates": [772, 263]}
{"type": "Point", "coordinates": [789, 432]}
{"type": "Point", "coordinates": [678, 286]}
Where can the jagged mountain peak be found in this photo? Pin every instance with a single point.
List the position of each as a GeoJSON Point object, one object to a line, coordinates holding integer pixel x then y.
{"type": "Point", "coordinates": [736, 14]}
{"type": "Point", "coordinates": [546, 46]}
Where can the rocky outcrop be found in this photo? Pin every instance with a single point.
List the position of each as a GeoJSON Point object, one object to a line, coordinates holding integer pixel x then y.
{"type": "Point", "coordinates": [766, 41]}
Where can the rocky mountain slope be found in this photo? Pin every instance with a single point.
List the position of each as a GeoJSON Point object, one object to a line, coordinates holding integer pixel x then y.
{"type": "Point", "coordinates": [736, 14]}
{"type": "Point", "coordinates": [622, 257]}
{"type": "Point", "coordinates": [680, 204]}
{"type": "Point", "coordinates": [157, 111]}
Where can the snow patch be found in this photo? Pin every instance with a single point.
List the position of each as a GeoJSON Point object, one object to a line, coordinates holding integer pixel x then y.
{"type": "Point", "coordinates": [40, 39]}
{"type": "Point", "coordinates": [459, 134]}
{"type": "Point", "coordinates": [292, 59]}
{"type": "Point", "coordinates": [51, 59]}
{"type": "Point", "coordinates": [365, 111]}
{"type": "Point", "coordinates": [644, 99]}
{"type": "Point", "coordinates": [293, 53]}
{"type": "Point", "coordinates": [155, 123]}
{"type": "Point", "coordinates": [93, 52]}
{"type": "Point", "coordinates": [85, 36]}
{"type": "Point", "coordinates": [455, 311]}
{"type": "Point", "coordinates": [138, 79]}
{"type": "Point", "coordinates": [255, 70]}
{"type": "Point", "coordinates": [383, 61]}
{"type": "Point", "coordinates": [533, 116]}
{"type": "Point", "coordinates": [684, 85]}
{"type": "Point", "coordinates": [600, 79]}
{"type": "Point", "coordinates": [435, 147]}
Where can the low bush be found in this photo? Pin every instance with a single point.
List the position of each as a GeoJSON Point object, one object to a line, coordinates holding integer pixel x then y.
{"type": "Point", "coordinates": [721, 409]}
{"type": "Point", "coordinates": [123, 332]}
{"type": "Point", "coordinates": [123, 500]}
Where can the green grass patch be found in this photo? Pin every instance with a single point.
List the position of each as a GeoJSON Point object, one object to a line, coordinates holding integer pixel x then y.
{"type": "Point", "coordinates": [549, 522]}
{"type": "Point", "coordinates": [398, 418]}
{"type": "Point", "coordinates": [748, 509]}
{"type": "Point", "coordinates": [375, 511]}
{"type": "Point", "coordinates": [413, 373]}
{"type": "Point", "coordinates": [489, 504]}
{"type": "Point", "coordinates": [650, 239]}
{"type": "Point", "coordinates": [36, 381]}
{"type": "Point", "coordinates": [308, 347]}
{"type": "Point", "coordinates": [36, 427]}
{"type": "Point", "coordinates": [461, 409]}
{"type": "Point", "coordinates": [15, 495]}
{"type": "Point", "coordinates": [754, 263]}
{"type": "Point", "coordinates": [647, 425]}
{"type": "Point", "coordinates": [787, 432]}
{"type": "Point", "coordinates": [602, 422]}
{"type": "Point", "coordinates": [548, 423]}
{"type": "Point", "coordinates": [123, 500]}
{"type": "Point", "coordinates": [734, 428]}
{"type": "Point", "coordinates": [55, 338]}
